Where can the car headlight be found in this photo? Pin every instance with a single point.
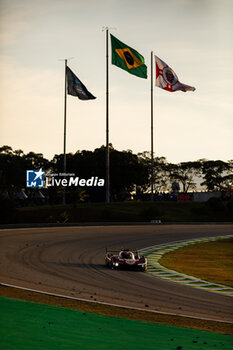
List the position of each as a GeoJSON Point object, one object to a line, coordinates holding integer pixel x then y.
{"type": "Point", "coordinates": [116, 264]}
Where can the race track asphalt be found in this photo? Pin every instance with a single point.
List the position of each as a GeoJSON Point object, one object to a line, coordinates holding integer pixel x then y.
{"type": "Point", "coordinates": [70, 261]}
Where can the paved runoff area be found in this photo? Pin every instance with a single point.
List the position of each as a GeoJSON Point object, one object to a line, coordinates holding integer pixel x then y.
{"type": "Point", "coordinates": [28, 325]}
{"type": "Point", "coordinates": [155, 253]}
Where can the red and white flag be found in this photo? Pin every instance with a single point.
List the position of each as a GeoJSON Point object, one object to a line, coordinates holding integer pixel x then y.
{"type": "Point", "coordinates": [167, 79]}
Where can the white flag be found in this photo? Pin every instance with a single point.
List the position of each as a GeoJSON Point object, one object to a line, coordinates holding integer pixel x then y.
{"type": "Point", "coordinates": [167, 79]}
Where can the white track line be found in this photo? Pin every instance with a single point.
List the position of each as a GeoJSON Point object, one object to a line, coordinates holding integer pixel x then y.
{"type": "Point", "coordinates": [115, 305]}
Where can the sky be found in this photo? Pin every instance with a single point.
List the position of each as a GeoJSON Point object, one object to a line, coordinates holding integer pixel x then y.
{"type": "Point", "coordinates": [194, 37]}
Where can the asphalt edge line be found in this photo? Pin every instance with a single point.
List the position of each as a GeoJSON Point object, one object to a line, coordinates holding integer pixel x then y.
{"type": "Point", "coordinates": [23, 226]}
{"type": "Point", "coordinates": [114, 305]}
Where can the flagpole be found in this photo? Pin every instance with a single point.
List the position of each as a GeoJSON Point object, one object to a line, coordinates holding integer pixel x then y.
{"type": "Point", "coordinates": [107, 123]}
{"type": "Point", "coordinates": [152, 130]}
{"type": "Point", "coordinates": [64, 149]}
{"type": "Point", "coordinates": [64, 142]}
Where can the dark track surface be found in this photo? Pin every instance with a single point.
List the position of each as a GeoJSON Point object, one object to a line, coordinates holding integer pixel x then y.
{"type": "Point", "coordinates": [70, 261]}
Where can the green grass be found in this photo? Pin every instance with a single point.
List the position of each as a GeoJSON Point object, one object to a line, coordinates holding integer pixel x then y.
{"type": "Point", "coordinates": [211, 261]}
{"type": "Point", "coordinates": [123, 212]}
{"type": "Point", "coordinates": [27, 325]}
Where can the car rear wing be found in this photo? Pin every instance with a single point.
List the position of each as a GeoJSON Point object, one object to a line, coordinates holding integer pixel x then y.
{"type": "Point", "coordinates": [135, 251]}
{"type": "Point", "coordinates": [112, 250]}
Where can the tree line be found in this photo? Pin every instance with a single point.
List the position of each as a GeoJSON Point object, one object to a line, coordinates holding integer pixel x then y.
{"type": "Point", "coordinates": [130, 174]}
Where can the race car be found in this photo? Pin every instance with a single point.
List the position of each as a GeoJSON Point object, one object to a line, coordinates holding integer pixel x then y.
{"type": "Point", "coordinates": [125, 259]}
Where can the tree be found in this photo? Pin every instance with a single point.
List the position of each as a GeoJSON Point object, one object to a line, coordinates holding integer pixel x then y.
{"type": "Point", "coordinates": [160, 173]}
{"type": "Point", "coordinates": [37, 161]}
{"type": "Point", "coordinates": [13, 165]}
{"type": "Point", "coordinates": [127, 171]}
{"type": "Point", "coordinates": [185, 173]}
{"type": "Point", "coordinates": [217, 174]}
{"type": "Point", "coordinates": [6, 150]}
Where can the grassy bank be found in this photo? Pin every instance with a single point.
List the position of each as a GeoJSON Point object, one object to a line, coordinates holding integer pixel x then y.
{"type": "Point", "coordinates": [127, 211]}
{"type": "Point", "coordinates": [214, 210]}
{"type": "Point", "coordinates": [210, 261]}
{"type": "Point", "coordinates": [27, 325]}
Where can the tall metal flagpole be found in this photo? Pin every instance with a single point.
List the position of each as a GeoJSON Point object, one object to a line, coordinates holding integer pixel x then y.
{"type": "Point", "coordinates": [107, 194]}
{"type": "Point", "coordinates": [64, 149]}
{"type": "Point", "coordinates": [107, 123]}
{"type": "Point", "coordinates": [64, 144]}
{"type": "Point", "coordinates": [152, 130]}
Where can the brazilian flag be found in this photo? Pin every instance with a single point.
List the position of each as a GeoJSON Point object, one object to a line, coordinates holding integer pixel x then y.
{"type": "Point", "coordinates": [127, 58]}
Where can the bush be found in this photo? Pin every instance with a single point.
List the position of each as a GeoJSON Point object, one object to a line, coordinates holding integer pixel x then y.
{"type": "Point", "coordinates": [216, 206]}
{"type": "Point", "coordinates": [230, 206]}
{"type": "Point", "coordinates": [8, 212]}
{"type": "Point", "coordinates": [151, 213]}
